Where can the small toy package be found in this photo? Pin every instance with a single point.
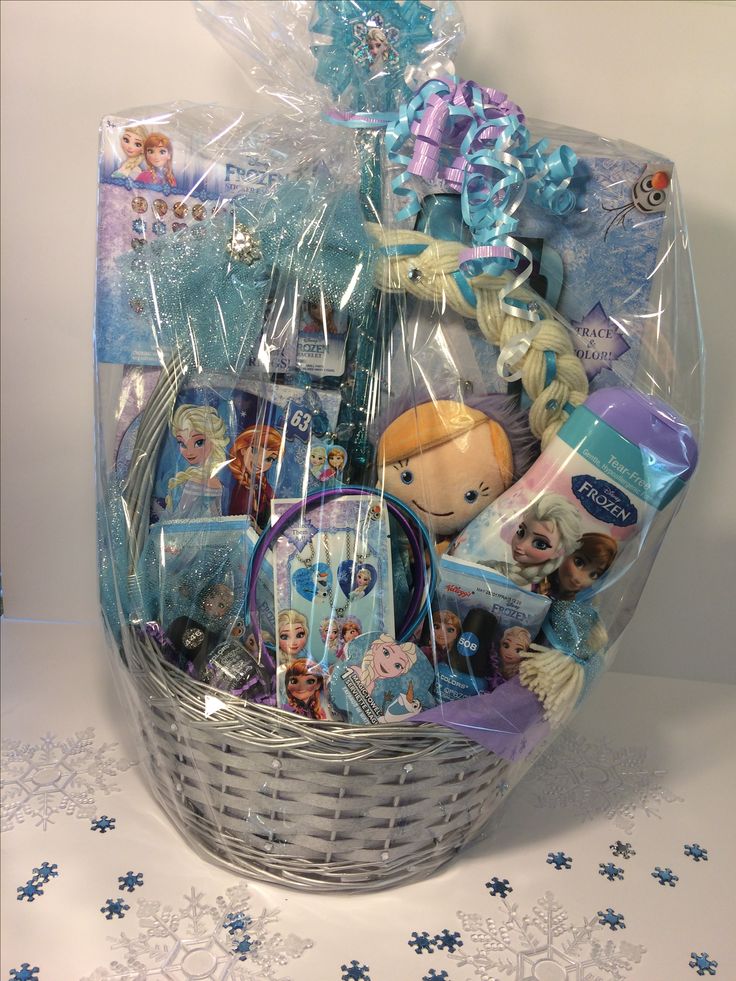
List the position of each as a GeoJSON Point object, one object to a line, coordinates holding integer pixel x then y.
{"type": "Point", "coordinates": [398, 392]}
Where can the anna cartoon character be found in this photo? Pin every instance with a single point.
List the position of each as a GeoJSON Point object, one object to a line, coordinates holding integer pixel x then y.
{"type": "Point", "coordinates": [449, 460]}
{"type": "Point", "coordinates": [305, 689]}
{"type": "Point", "coordinates": [158, 154]}
{"type": "Point", "coordinates": [446, 629]}
{"type": "Point", "coordinates": [591, 560]}
{"type": "Point", "coordinates": [132, 140]}
{"type": "Point", "coordinates": [351, 628]}
{"type": "Point", "coordinates": [255, 451]}
{"type": "Point", "coordinates": [202, 438]}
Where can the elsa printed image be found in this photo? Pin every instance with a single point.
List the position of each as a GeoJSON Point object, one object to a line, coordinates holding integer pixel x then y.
{"type": "Point", "coordinates": [384, 659]}
{"type": "Point", "coordinates": [362, 583]}
{"type": "Point", "coordinates": [132, 140]}
{"type": "Point", "coordinates": [202, 439]}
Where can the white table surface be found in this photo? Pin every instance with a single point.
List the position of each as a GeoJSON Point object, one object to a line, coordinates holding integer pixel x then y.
{"type": "Point", "coordinates": [647, 761]}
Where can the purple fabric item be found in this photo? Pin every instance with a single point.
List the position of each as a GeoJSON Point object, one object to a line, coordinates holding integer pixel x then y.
{"type": "Point", "coordinates": [509, 721]}
{"type": "Point", "coordinates": [649, 423]}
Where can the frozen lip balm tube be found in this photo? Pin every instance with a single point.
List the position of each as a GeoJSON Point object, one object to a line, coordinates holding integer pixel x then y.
{"type": "Point", "coordinates": [617, 460]}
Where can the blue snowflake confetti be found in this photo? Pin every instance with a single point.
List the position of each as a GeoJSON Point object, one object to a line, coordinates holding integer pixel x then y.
{"type": "Point", "coordinates": [422, 942]}
{"type": "Point", "coordinates": [622, 849]}
{"type": "Point", "coordinates": [356, 972]}
{"type": "Point", "coordinates": [499, 887]}
{"type": "Point", "coordinates": [666, 877]}
{"type": "Point", "coordinates": [434, 976]}
{"type": "Point", "coordinates": [611, 919]}
{"type": "Point", "coordinates": [702, 963]}
{"type": "Point", "coordinates": [559, 859]}
{"type": "Point", "coordinates": [103, 824]}
{"type": "Point", "coordinates": [235, 922]}
{"type": "Point", "coordinates": [243, 947]}
{"type": "Point", "coordinates": [130, 880]}
{"type": "Point", "coordinates": [448, 941]}
{"type": "Point", "coordinates": [30, 891]}
{"type": "Point", "coordinates": [24, 973]}
{"type": "Point", "coordinates": [696, 852]}
{"type": "Point", "coordinates": [45, 872]}
{"type": "Point", "coordinates": [610, 870]}
{"type": "Point", "coordinates": [114, 907]}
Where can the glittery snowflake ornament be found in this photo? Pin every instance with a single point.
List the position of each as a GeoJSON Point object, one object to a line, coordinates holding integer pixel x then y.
{"type": "Point", "coordinates": [379, 36]}
{"type": "Point", "coordinates": [56, 776]}
{"type": "Point", "coordinates": [198, 939]}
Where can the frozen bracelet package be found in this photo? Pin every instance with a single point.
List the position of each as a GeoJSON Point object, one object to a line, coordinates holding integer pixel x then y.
{"type": "Point", "coordinates": [398, 390]}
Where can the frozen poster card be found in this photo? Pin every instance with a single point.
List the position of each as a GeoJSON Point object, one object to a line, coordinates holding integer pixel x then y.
{"type": "Point", "coordinates": [332, 582]}
{"type": "Point", "coordinates": [231, 450]}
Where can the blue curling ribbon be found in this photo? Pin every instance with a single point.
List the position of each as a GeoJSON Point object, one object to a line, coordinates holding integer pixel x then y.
{"type": "Point", "coordinates": [475, 140]}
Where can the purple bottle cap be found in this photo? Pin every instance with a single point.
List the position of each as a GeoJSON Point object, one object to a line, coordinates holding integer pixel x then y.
{"type": "Point", "coordinates": [650, 424]}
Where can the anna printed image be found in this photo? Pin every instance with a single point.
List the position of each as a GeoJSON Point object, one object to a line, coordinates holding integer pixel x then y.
{"type": "Point", "coordinates": [305, 689]}
{"type": "Point", "coordinates": [254, 451]}
{"type": "Point", "coordinates": [156, 168]}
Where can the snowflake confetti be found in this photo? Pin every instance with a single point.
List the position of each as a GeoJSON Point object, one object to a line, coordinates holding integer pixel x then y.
{"type": "Point", "coordinates": [130, 881]}
{"type": "Point", "coordinates": [356, 972]}
{"type": "Point", "coordinates": [610, 870]}
{"type": "Point", "coordinates": [45, 872]}
{"type": "Point", "coordinates": [24, 973]}
{"type": "Point", "coordinates": [610, 919]}
{"type": "Point", "coordinates": [666, 877]}
{"type": "Point", "coordinates": [56, 776]}
{"type": "Point", "coordinates": [114, 907]}
{"type": "Point", "coordinates": [594, 779]}
{"type": "Point", "coordinates": [434, 976]}
{"type": "Point", "coordinates": [448, 941]}
{"type": "Point", "coordinates": [102, 824]}
{"type": "Point", "coordinates": [560, 860]}
{"type": "Point", "coordinates": [29, 891]}
{"type": "Point", "coordinates": [522, 945]}
{"type": "Point", "coordinates": [622, 849]}
{"type": "Point", "coordinates": [696, 852]}
{"type": "Point", "coordinates": [422, 942]}
{"type": "Point", "coordinates": [703, 964]}
{"type": "Point", "coordinates": [499, 887]}
{"type": "Point", "coordinates": [193, 940]}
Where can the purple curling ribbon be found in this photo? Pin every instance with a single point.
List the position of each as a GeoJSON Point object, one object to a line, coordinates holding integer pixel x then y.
{"type": "Point", "coordinates": [474, 140]}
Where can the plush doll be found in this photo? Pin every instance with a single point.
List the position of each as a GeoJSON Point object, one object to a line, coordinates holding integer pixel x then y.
{"type": "Point", "coordinates": [449, 460]}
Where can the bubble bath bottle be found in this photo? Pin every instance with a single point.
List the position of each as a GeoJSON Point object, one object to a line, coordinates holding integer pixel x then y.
{"type": "Point", "coordinates": [617, 460]}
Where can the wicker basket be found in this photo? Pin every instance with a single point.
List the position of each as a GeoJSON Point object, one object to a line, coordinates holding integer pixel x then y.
{"type": "Point", "coordinates": [313, 805]}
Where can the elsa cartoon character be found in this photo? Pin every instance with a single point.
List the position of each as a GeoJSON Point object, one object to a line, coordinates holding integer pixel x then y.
{"type": "Point", "coordinates": [201, 436]}
{"type": "Point", "coordinates": [362, 583]}
{"type": "Point", "coordinates": [385, 659]}
{"type": "Point", "coordinates": [329, 631]}
{"type": "Point", "coordinates": [548, 530]}
{"type": "Point", "coordinates": [132, 140]}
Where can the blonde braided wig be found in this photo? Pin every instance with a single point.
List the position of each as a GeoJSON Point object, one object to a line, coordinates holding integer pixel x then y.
{"type": "Point", "coordinates": [433, 279]}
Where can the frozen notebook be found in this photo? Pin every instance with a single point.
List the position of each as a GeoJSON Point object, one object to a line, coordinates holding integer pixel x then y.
{"type": "Point", "coordinates": [332, 582]}
{"type": "Point", "coordinates": [232, 449]}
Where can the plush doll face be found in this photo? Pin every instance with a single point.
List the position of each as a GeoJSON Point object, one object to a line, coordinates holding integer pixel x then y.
{"type": "Point", "coordinates": [447, 485]}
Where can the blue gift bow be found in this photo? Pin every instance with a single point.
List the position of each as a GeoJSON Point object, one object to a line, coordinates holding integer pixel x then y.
{"type": "Point", "coordinates": [337, 62]}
